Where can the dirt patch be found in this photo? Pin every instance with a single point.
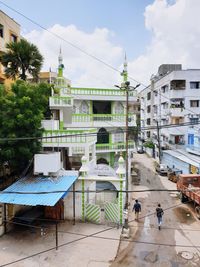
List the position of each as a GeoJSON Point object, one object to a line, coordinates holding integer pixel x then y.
{"type": "Point", "coordinates": [184, 215]}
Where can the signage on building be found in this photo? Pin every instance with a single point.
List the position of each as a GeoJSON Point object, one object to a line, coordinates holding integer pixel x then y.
{"type": "Point", "coordinates": [104, 170]}
{"type": "Point", "coordinates": [193, 169]}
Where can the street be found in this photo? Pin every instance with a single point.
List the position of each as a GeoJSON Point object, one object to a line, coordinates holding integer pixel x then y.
{"type": "Point", "coordinates": [175, 244]}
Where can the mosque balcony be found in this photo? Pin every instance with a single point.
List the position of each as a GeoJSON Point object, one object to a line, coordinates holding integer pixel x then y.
{"type": "Point", "coordinates": [69, 138]}
{"type": "Point", "coordinates": [57, 102]}
{"type": "Point", "coordinates": [102, 94]}
{"type": "Point", "coordinates": [114, 147]}
{"type": "Point", "coordinates": [103, 120]}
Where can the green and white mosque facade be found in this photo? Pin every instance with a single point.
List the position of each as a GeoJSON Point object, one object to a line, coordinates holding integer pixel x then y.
{"type": "Point", "coordinates": [87, 122]}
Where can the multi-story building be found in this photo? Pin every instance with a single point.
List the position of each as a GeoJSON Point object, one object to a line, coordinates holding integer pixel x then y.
{"type": "Point", "coordinates": [172, 98]}
{"type": "Point", "coordinates": [9, 32]}
{"type": "Point", "coordinates": [87, 121]}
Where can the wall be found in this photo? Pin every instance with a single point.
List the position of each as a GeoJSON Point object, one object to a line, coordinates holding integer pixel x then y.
{"type": "Point", "coordinates": [171, 161]}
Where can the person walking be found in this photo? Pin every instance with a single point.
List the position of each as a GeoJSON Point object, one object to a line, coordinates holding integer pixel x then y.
{"type": "Point", "coordinates": [159, 214]}
{"type": "Point", "coordinates": [137, 208]}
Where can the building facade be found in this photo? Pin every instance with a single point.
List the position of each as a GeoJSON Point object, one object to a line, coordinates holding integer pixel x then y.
{"type": "Point", "coordinates": [9, 32]}
{"type": "Point", "coordinates": [87, 121]}
{"type": "Point", "coordinates": [172, 98]}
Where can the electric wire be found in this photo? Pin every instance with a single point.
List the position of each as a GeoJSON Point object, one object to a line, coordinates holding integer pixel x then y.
{"type": "Point", "coordinates": [94, 191]}
{"type": "Point", "coordinates": [95, 133]}
{"type": "Point", "coordinates": [106, 238]}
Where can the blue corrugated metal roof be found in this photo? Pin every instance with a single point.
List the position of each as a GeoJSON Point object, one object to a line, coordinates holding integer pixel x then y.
{"type": "Point", "coordinates": [37, 184]}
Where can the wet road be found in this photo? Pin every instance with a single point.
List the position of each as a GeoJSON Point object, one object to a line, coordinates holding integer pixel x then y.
{"type": "Point", "coordinates": [175, 244]}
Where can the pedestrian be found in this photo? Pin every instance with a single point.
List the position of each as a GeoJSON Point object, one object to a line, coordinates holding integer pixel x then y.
{"type": "Point", "coordinates": [137, 208]}
{"type": "Point", "coordinates": [159, 214]}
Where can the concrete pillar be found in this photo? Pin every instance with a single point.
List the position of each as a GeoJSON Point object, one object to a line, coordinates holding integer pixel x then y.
{"type": "Point", "coordinates": [1, 220]}
{"type": "Point", "coordinates": [94, 152]}
{"type": "Point", "coordinates": [87, 153]}
{"type": "Point", "coordinates": [121, 172]}
{"type": "Point", "coordinates": [83, 170]}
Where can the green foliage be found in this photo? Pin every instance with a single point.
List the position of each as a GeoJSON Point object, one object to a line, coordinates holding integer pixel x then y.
{"type": "Point", "coordinates": [22, 109]}
{"type": "Point", "coordinates": [149, 144]}
{"type": "Point", "coordinates": [21, 58]}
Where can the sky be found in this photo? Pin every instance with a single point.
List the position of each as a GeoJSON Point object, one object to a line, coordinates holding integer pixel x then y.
{"type": "Point", "coordinates": [94, 36]}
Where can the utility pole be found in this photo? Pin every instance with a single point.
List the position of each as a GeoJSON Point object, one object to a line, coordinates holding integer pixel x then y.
{"type": "Point", "coordinates": [127, 88]}
{"type": "Point", "coordinates": [158, 139]}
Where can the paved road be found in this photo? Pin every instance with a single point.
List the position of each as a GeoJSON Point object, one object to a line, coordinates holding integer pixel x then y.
{"type": "Point", "coordinates": [149, 246]}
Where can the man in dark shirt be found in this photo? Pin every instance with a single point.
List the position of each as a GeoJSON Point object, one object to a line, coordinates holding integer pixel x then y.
{"type": "Point", "coordinates": [159, 214]}
{"type": "Point", "coordinates": [137, 208]}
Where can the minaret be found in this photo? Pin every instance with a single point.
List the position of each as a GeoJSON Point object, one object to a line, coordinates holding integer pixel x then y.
{"type": "Point", "coordinates": [60, 64]}
{"type": "Point", "coordinates": [125, 72]}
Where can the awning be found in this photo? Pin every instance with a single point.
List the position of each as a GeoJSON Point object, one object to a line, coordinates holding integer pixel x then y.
{"type": "Point", "coordinates": [35, 191]}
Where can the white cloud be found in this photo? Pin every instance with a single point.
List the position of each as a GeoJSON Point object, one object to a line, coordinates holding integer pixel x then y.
{"type": "Point", "coordinates": [175, 37]}
{"type": "Point", "coordinates": [79, 67]}
{"type": "Point", "coordinates": [174, 25]}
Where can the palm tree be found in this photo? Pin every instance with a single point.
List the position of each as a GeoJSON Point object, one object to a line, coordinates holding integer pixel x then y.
{"type": "Point", "coordinates": [22, 58]}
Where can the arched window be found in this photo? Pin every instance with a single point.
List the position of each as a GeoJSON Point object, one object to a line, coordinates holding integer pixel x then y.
{"type": "Point", "coordinates": [119, 135]}
{"type": "Point", "coordinates": [119, 109]}
{"type": "Point", "coordinates": [84, 108]}
{"type": "Point", "coordinates": [102, 161]}
{"type": "Point", "coordinates": [102, 136]}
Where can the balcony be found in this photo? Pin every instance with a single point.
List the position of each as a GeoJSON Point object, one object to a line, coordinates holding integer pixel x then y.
{"type": "Point", "coordinates": [56, 102]}
{"type": "Point", "coordinates": [50, 125]}
{"type": "Point", "coordinates": [102, 93]}
{"type": "Point", "coordinates": [69, 138]}
{"type": "Point", "coordinates": [102, 120]}
{"type": "Point", "coordinates": [114, 147]}
{"type": "Point", "coordinates": [176, 112]}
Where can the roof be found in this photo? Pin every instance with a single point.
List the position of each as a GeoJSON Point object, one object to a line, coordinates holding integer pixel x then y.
{"type": "Point", "coordinates": [184, 156]}
{"type": "Point", "coordinates": [30, 190]}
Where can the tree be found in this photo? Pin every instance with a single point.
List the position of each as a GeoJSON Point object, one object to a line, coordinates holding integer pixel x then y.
{"type": "Point", "coordinates": [22, 109]}
{"type": "Point", "coordinates": [22, 58]}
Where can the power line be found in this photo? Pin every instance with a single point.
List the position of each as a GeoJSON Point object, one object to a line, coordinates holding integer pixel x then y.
{"type": "Point", "coordinates": [66, 41]}
{"type": "Point", "coordinates": [140, 129]}
{"type": "Point", "coordinates": [93, 191]}
{"type": "Point", "coordinates": [105, 238]}
{"type": "Point", "coordinates": [82, 50]}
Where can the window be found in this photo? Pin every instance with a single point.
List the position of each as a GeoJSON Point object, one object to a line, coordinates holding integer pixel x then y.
{"type": "Point", "coordinates": [164, 88]}
{"type": "Point", "coordinates": [1, 31]}
{"type": "Point", "coordinates": [13, 38]}
{"type": "Point", "coordinates": [148, 134]}
{"type": "Point", "coordinates": [148, 109]}
{"type": "Point", "coordinates": [194, 85]}
{"type": "Point", "coordinates": [148, 121]}
{"type": "Point", "coordinates": [119, 109]}
{"type": "Point", "coordinates": [194, 120]}
{"type": "Point", "coordinates": [84, 109]}
{"type": "Point", "coordinates": [149, 96]}
{"type": "Point", "coordinates": [194, 103]}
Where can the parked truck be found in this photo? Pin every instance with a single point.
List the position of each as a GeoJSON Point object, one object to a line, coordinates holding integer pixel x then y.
{"type": "Point", "coordinates": [189, 187]}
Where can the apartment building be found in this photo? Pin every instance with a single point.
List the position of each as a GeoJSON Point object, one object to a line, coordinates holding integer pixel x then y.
{"type": "Point", "coordinates": [9, 32]}
{"type": "Point", "coordinates": [172, 98]}
{"type": "Point", "coordinates": [92, 122]}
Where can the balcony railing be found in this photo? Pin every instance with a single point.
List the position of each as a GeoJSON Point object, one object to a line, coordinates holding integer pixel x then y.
{"type": "Point", "coordinates": [101, 117]}
{"type": "Point", "coordinates": [69, 136]}
{"type": "Point", "coordinates": [98, 91]}
{"type": "Point", "coordinates": [61, 101]}
{"type": "Point", "coordinates": [114, 146]}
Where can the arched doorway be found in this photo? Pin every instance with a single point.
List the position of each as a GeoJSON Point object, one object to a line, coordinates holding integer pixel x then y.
{"type": "Point", "coordinates": [102, 136]}
{"type": "Point", "coordinates": [102, 161]}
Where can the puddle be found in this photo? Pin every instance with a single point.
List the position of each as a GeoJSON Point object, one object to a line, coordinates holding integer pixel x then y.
{"type": "Point", "coordinates": [146, 225]}
{"type": "Point", "coordinates": [149, 256]}
{"type": "Point", "coordinates": [184, 215]}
